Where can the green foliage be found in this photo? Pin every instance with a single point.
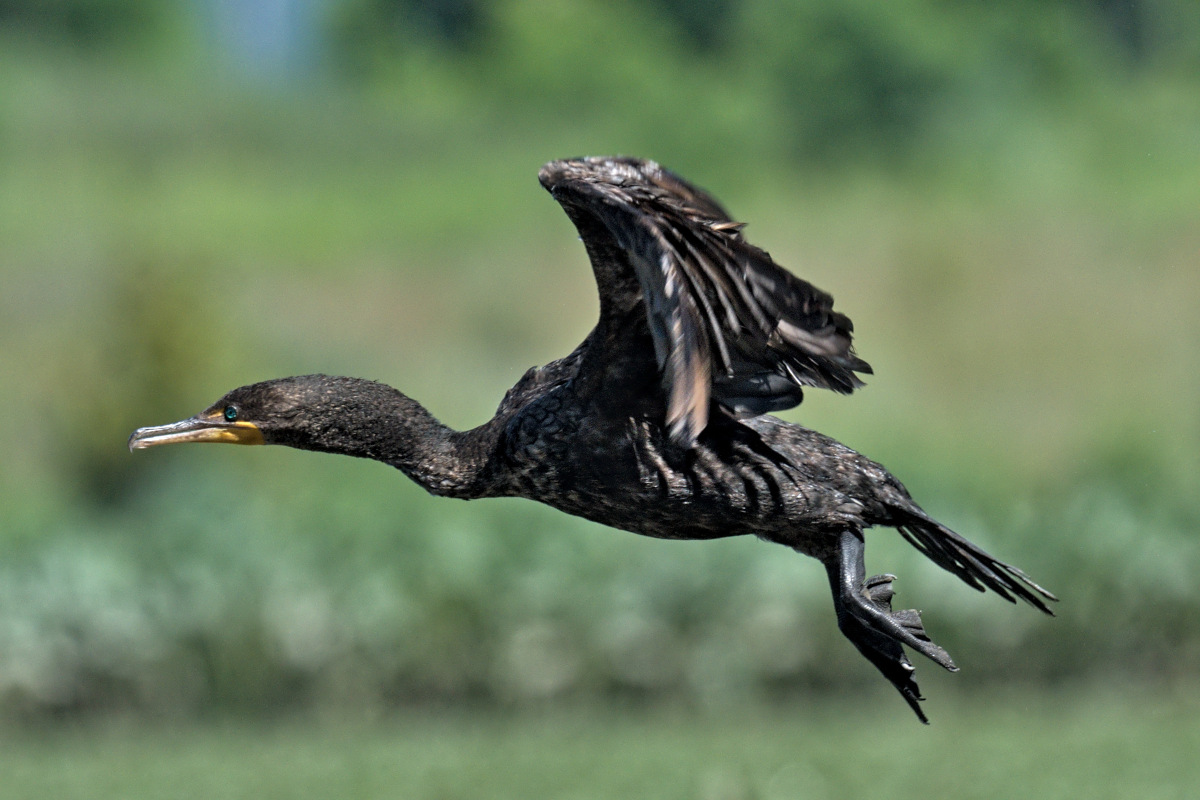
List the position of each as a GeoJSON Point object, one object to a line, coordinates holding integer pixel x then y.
{"type": "Point", "coordinates": [836, 81]}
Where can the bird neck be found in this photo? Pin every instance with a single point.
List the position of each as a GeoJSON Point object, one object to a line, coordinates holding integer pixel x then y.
{"type": "Point", "coordinates": [372, 420]}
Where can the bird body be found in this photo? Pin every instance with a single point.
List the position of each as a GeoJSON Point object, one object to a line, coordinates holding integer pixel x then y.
{"type": "Point", "coordinates": [658, 423]}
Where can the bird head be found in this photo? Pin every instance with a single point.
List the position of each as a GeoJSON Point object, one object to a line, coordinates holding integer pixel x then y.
{"type": "Point", "coordinates": [260, 413]}
{"type": "Point", "coordinates": [309, 412]}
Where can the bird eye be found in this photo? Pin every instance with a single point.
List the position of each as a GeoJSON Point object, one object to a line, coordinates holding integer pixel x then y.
{"type": "Point", "coordinates": [231, 413]}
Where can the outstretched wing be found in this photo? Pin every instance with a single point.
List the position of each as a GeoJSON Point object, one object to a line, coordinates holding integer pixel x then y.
{"type": "Point", "coordinates": [728, 323]}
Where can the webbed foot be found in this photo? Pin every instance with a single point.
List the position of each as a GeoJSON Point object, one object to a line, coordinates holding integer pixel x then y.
{"type": "Point", "coordinates": [866, 618]}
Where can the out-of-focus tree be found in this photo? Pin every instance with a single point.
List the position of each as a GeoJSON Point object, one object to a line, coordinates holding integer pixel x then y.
{"type": "Point", "coordinates": [838, 79]}
{"type": "Point", "coordinates": [704, 24]}
{"type": "Point", "coordinates": [364, 32]}
{"type": "Point", "coordinates": [92, 23]}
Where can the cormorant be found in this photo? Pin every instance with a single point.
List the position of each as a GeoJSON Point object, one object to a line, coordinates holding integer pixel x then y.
{"type": "Point", "coordinates": [658, 423]}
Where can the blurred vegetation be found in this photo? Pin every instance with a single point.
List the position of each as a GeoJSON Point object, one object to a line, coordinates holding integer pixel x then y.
{"type": "Point", "coordinates": [1003, 197]}
{"type": "Point", "coordinates": [1044, 744]}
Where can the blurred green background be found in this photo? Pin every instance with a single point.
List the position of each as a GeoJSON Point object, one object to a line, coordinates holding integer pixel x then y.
{"type": "Point", "coordinates": [199, 194]}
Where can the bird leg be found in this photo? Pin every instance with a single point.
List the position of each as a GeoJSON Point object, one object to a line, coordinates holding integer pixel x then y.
{"type": "Point", "coordinates": [865, 617]}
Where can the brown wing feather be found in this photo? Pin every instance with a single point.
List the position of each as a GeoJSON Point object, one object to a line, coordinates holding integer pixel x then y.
{"type": "Point", "coordinates": [728, 323]}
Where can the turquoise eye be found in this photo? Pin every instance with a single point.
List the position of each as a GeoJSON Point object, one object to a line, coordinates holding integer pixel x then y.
{"type": "Point", "coordinates": [231, 413]}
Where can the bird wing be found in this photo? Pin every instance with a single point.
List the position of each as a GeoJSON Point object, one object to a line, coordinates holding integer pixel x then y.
{"type": "Point", "coordinates": [727, 322]}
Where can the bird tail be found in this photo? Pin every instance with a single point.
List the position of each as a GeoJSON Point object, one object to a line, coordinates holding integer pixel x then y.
{"type": "Point", "coordinates": [971, 563]}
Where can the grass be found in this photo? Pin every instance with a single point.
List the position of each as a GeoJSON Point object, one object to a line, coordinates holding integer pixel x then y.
{"type": "Point", "coordinates": [1097, 743]}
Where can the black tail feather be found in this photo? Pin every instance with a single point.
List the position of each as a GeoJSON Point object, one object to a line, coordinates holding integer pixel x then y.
{"type": "Point", "coordinates": [968, 561]}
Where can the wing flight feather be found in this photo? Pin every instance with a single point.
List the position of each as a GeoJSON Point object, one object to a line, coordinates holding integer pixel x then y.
{"type": "Point", "coordinates": [727, 322]}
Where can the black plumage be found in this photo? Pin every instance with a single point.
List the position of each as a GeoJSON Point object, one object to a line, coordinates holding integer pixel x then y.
{"type": "Point", "coordinates": [658, 422]}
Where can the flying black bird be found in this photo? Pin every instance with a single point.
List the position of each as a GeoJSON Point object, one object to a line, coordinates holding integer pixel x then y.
{"type": "Point", "coordinates": [658, 423]}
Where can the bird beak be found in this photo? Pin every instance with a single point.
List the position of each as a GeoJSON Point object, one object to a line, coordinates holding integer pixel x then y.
{"type": "Point", "coordinates": [197, 429]}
